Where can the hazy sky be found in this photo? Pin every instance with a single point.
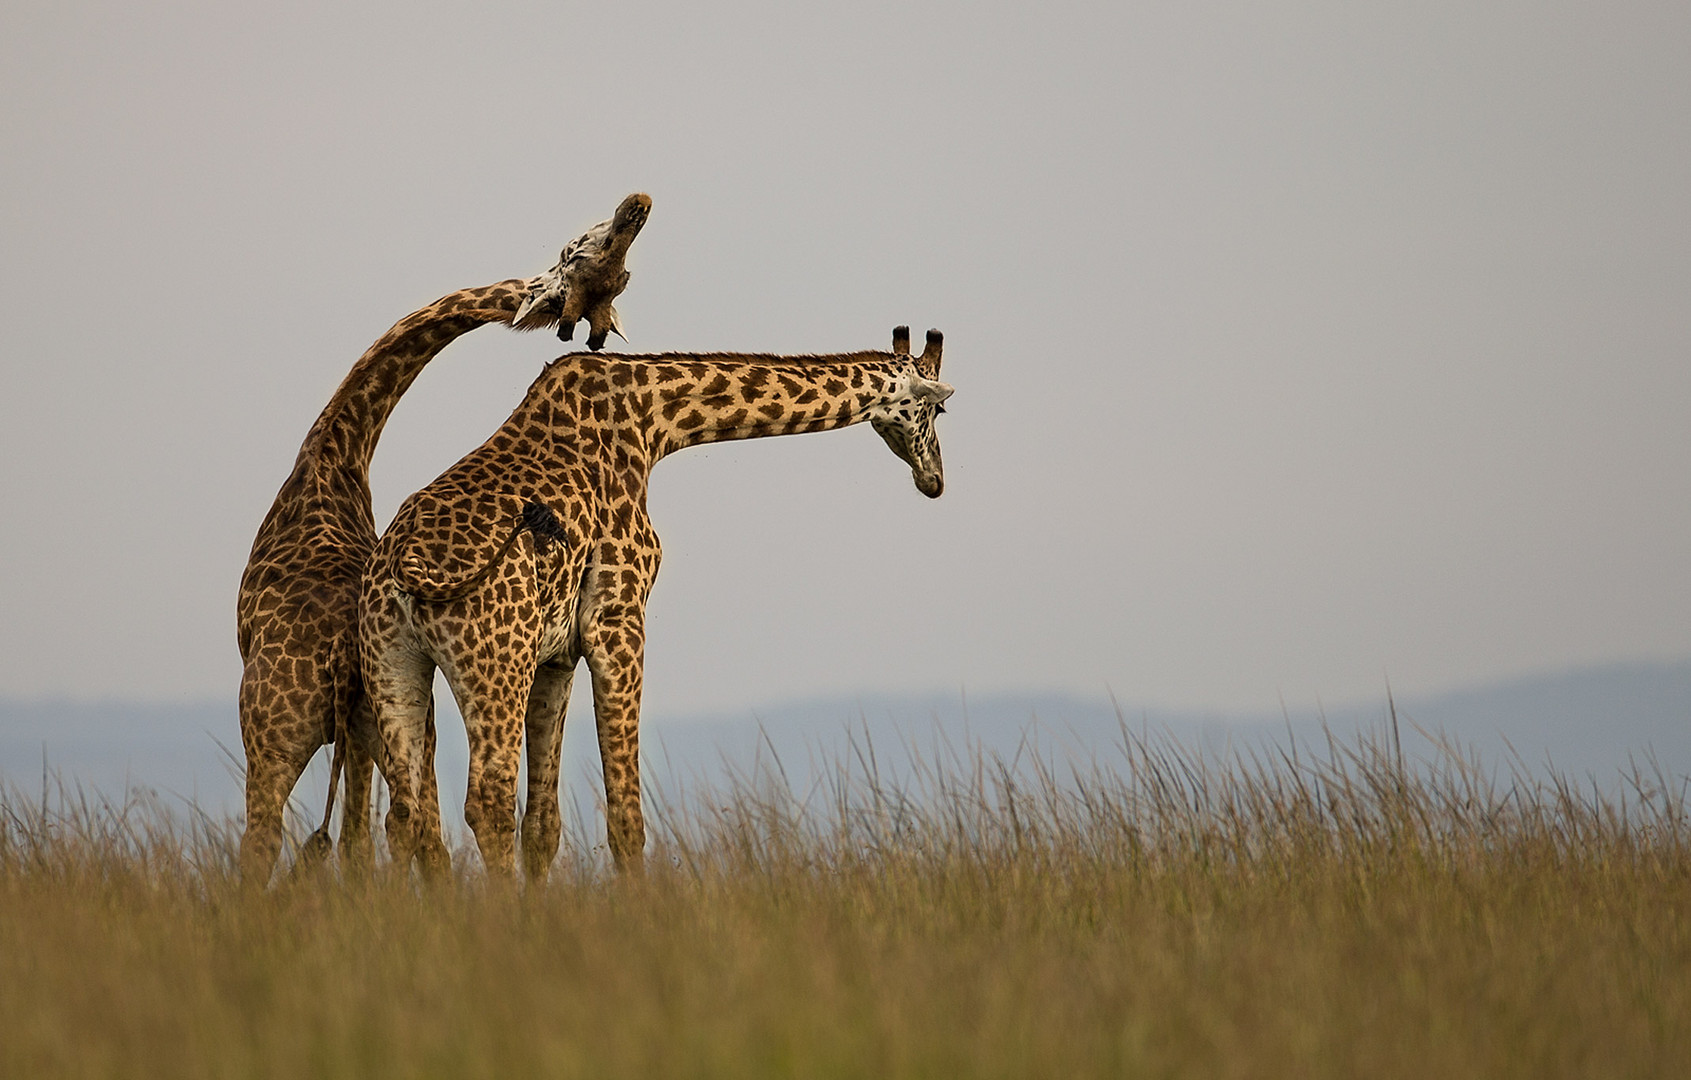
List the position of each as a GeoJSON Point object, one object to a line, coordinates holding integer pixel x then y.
{"type": "Point", "coordinates": [1297, 346]}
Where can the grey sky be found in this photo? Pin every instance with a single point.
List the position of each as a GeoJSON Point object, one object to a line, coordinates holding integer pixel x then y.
{"type": "Point", "coordinates": [1297, 346]}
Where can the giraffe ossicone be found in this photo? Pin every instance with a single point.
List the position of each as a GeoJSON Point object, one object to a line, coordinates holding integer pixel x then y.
{"type": "Point", "coordinates": [512, 617]}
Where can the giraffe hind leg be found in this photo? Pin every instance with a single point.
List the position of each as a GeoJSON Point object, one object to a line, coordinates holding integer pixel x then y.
{"type": "Point", "coordinates": [278, 746]}
{"type": "Point", "coordinates": [270, 779]}
{"type": "Point", "coordinates": [542, 825]}
{"type": "Point", "coordinates": [617, 678]}
{"type": "Point", "coordinates": [494, 708]}
{"type": "Point", "coordinates": [364, 760]}
{"type": "Point", "coordinates": [401, 693]}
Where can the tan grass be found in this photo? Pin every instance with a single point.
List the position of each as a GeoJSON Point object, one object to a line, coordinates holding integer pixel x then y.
{"type": "Point", "coordinates": [1282, 915]}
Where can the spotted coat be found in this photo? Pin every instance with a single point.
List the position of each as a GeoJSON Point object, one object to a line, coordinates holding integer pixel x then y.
{"type": "Point", "coordinates": [296, 613]}
{"type": "Point", "coordinates": [460, 584]}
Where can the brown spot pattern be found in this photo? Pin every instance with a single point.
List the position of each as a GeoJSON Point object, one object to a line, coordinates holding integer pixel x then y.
{"type": "Point", "coordinates": [588, 434]}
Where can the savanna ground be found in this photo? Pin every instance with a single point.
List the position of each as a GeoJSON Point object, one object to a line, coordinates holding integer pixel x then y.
{"type": "Point", "coordinates": [1334, 913]}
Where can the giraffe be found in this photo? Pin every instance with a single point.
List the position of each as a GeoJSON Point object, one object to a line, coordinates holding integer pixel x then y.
{"type": "Point", "coordinates": [535, 552]}
{"type": "Point", "coordinates": [590, 274]}
{"type": "Point", "coordinates": [297, 608]}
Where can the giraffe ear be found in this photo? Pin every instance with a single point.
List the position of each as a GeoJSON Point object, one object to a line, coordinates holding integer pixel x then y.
{"type": "Point", "coordinates": [544, 293]}
{"type": "Point", "coordinates": [936, 392]}
{"type": "Point", "coordinates": [526, 307]}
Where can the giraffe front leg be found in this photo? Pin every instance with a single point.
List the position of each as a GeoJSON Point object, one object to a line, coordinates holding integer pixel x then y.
{"type": "Point", "coordinates": [616, 649]}
{"type": "Point", "coordinates": [542, 822]}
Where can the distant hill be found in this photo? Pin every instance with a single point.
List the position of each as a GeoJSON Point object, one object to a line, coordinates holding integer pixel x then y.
{"type": "Point", "coordinates": [113, 746]}
{"type": "Point", "coordinates": [1592, 722]}
{"type": "Point", "coordinates": [1588, 723]}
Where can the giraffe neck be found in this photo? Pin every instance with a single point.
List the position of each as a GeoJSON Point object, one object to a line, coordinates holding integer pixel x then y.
{"type": "Point", "coordinates": [677, 400]}
{"type": "Point", "coordinates": [347, 430]}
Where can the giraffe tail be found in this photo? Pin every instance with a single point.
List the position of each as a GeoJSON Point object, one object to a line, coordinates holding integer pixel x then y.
{"type": "Point", "coordinates": [318, 845]}
{"type": "Point", "coordinates": [536, 517]}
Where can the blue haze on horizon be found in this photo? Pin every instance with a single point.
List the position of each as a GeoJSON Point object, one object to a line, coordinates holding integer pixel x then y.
{"type": "Point", "coordinates": [1595, 726]}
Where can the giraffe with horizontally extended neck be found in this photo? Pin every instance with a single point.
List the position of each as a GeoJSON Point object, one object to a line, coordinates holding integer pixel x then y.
{"type": "Point", "coordinates": [535, 552]}
{"type": "Point", "coordinates": [298, 602]}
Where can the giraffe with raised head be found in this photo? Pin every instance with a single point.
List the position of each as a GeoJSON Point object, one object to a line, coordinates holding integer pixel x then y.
{"type": "Point", "coordinates": [535, 552]}
{"type": "Point", "coordinates": [296, 614]}
{"type": "Point", "coordinates": [590, 274]}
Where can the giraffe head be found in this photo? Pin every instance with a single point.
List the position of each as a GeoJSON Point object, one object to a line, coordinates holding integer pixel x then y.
{"type": "Point", "coordinates": [904, 417]}
{"type": "Point", "coordinates": [589, 274]}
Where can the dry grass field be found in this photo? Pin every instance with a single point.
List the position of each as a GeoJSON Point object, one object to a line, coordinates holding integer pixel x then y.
{"type": "Point", "coordinates": [1333, 913]}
